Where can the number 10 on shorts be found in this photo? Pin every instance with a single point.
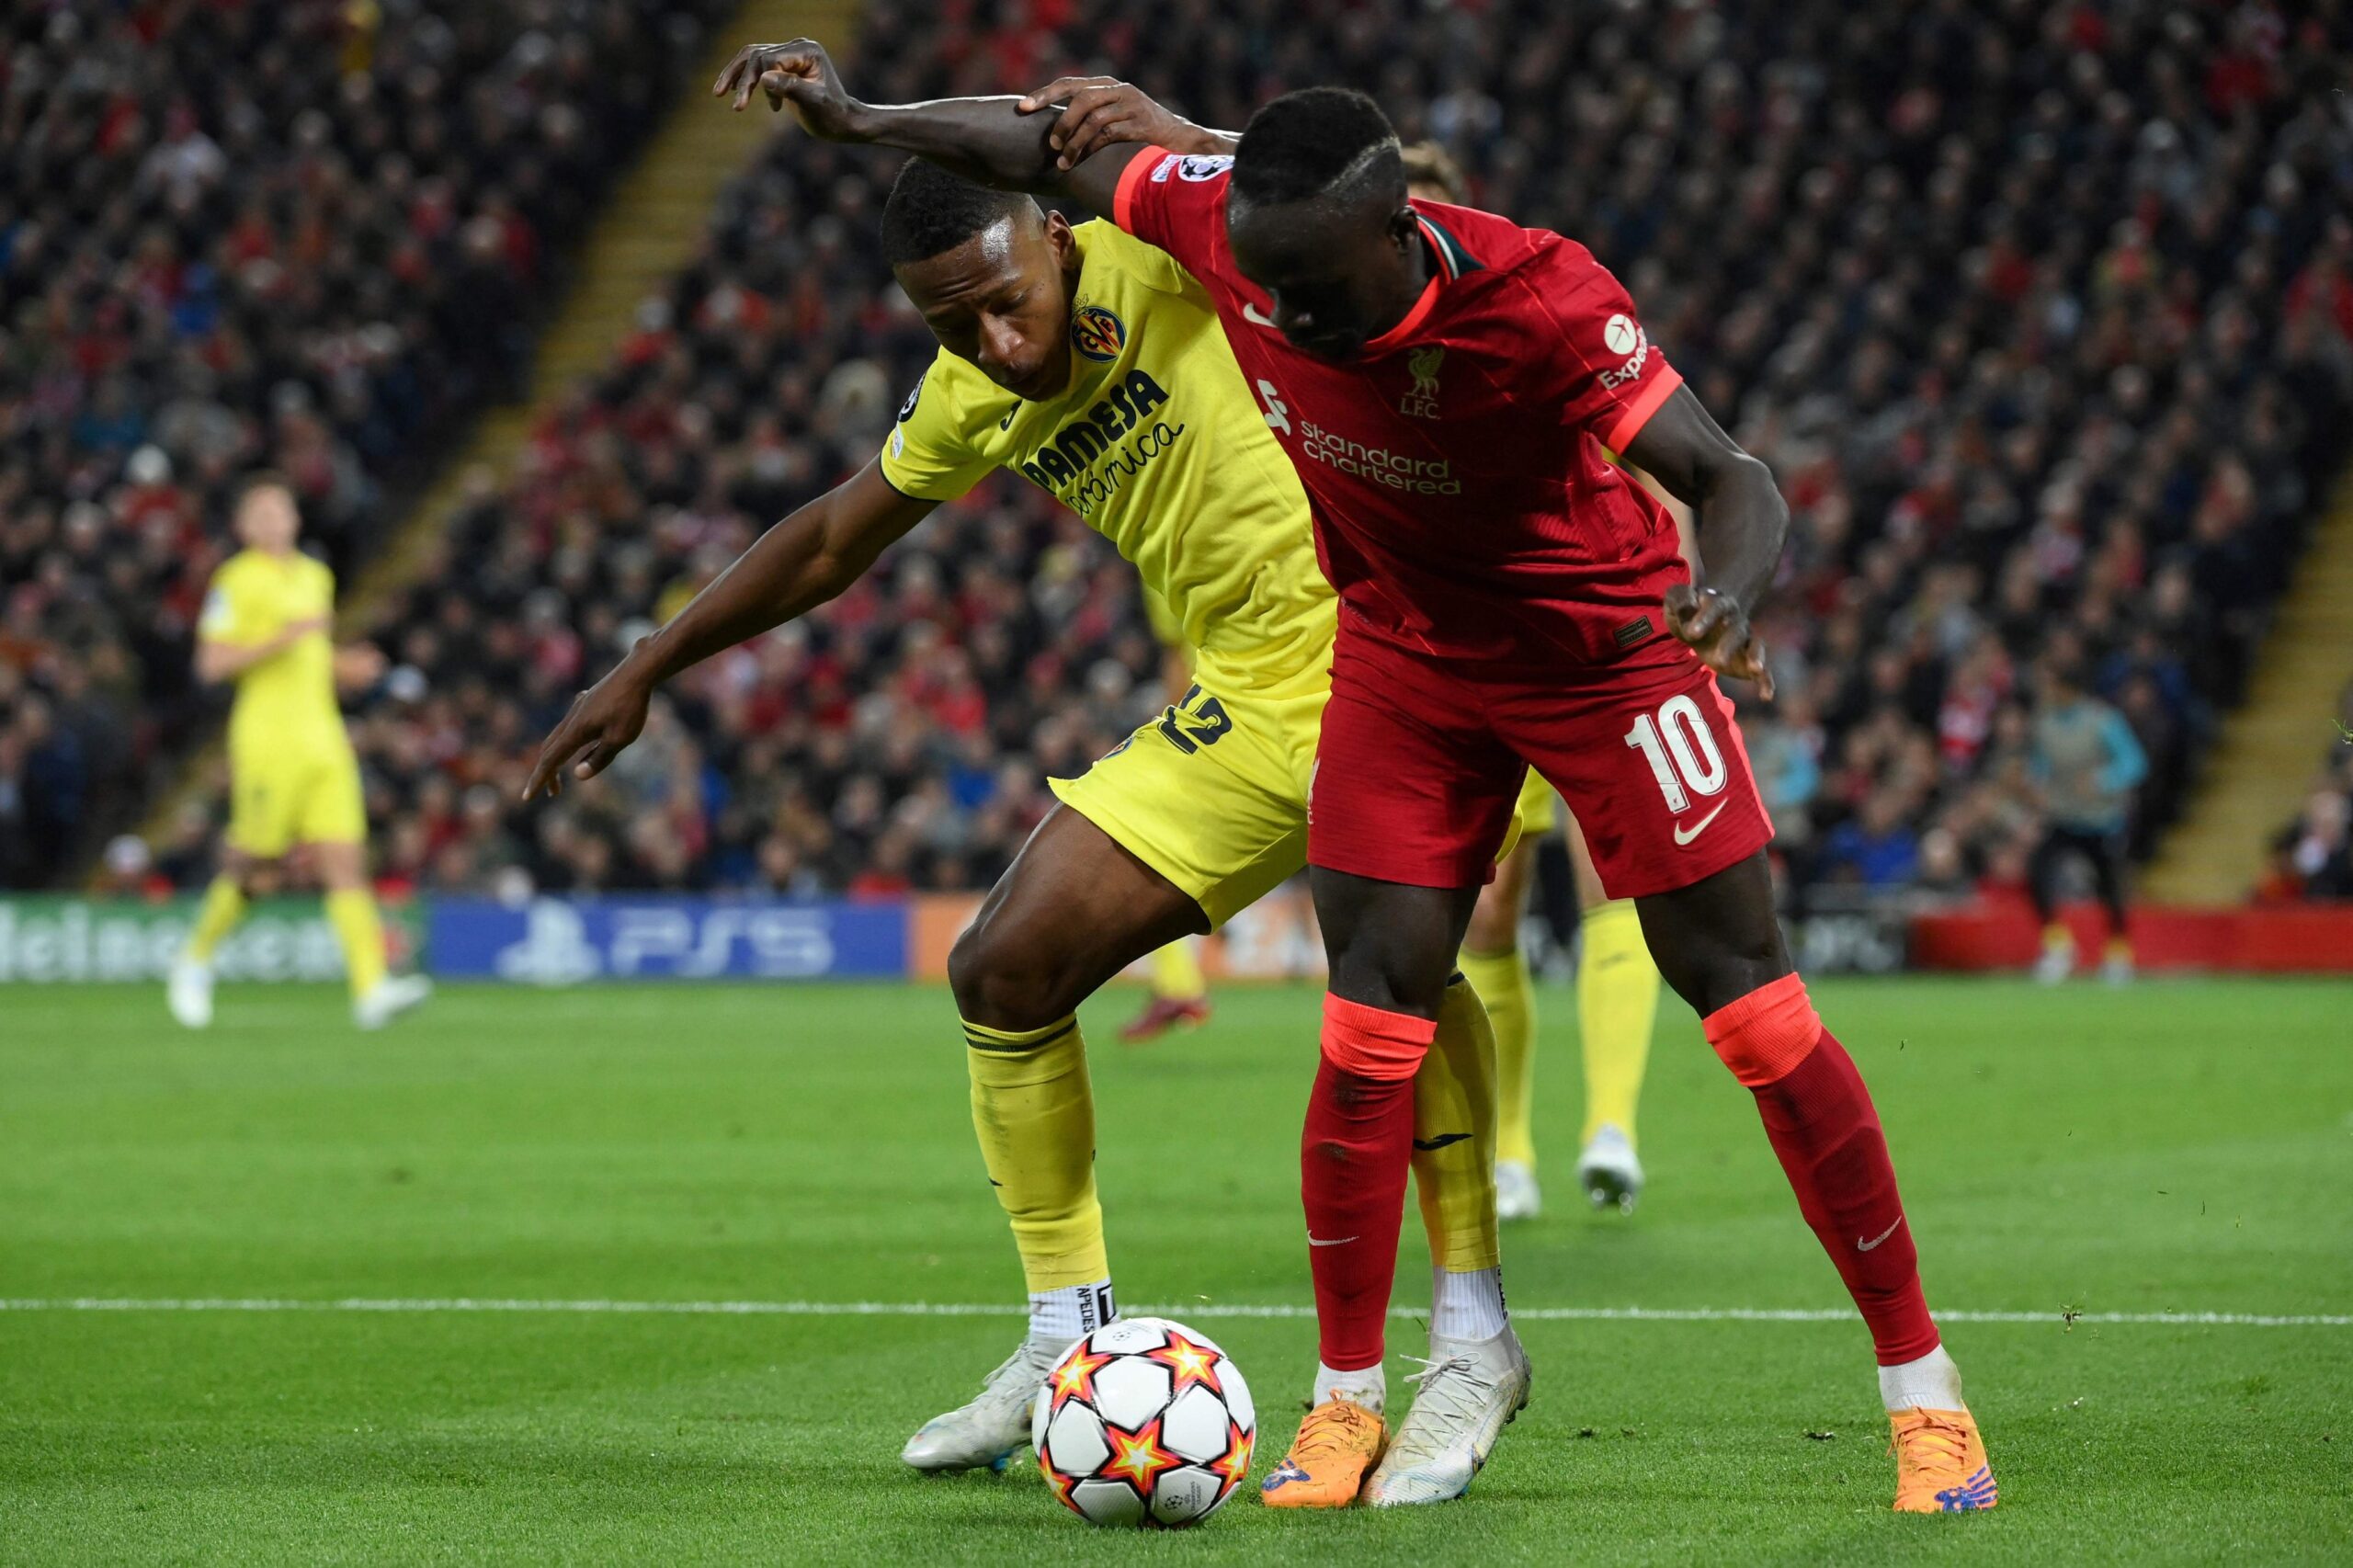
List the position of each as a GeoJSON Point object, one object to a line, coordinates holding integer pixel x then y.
{"type": "Point", "coordinates": [1681, 752]}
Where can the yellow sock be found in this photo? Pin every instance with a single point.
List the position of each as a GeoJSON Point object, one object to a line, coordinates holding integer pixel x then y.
{"type": "Point", "coordinates": [352, 913]}
{"type": "Point", "coordinates": [1454, 1136]}
{"type": "Point", "coordinates": [1035, 1114]}
{"type": "Point", "coordinates": [223, 906]}
{"type": "Point", "coordinates": [1617, 1003]}
{"type": "Point", "coordinates": [1502, 983]}
{"type": "Point", "coordinates": [1177, 972]}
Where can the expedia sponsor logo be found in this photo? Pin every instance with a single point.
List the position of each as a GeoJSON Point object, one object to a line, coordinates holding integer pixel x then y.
{"type": "Point", "coordinates": [1097, 334]}
{"type": "Point", "coordinates": [1623, 335]}
{"type": "Point", "coordinates": [1416, 476]}
{"type": "Point", "coordinates": [1090, 459]}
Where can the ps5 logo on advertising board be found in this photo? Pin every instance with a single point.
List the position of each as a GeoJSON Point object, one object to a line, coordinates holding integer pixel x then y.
{"type": "Point", "coordinates": [561, 942]}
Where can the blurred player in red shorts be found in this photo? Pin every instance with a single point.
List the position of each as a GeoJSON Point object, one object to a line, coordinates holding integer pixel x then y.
{"type": "Point", "coordinates": [1445, 382]}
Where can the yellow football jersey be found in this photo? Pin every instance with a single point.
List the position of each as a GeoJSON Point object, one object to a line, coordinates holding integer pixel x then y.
{"type": "Point", "coordinates": [285, 705]}
{"type": "Point", "coordinates": [1159, 444]}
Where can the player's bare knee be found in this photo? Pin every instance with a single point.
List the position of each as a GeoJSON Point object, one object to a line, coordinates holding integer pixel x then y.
{"type": "Point", "coordinates": [1393, 987]}
{"type": "Point", "coordinates": [1000, 985]}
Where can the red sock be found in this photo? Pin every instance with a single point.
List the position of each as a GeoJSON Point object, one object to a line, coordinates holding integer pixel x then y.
{"type": "Point", "coordinates": [1352, 1163]}
{"type": "Point", "coordinates": [1827, 1131]}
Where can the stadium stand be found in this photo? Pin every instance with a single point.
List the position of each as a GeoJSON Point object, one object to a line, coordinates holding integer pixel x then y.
{"type": "Point", "coordinates": [2045, 377]}
{"type": "Point", "coordinates": [308, 233]}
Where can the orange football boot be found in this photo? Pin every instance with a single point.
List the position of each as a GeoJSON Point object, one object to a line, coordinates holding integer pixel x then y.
{"type": "Point", "coordinates": [1338, 1442]}
{"type": "Point", "coordinates": [1940, 1462]}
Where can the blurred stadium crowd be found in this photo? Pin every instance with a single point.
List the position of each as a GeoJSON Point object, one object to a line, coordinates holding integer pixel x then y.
{"type": "Point", "coordinates": [308, 233]}
{"type": "Point", "coordinates": [2043, 314]}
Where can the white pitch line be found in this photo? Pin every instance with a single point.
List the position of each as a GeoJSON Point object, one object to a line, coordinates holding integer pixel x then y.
{"type": "Point", "coordinates": [1198, 1309]}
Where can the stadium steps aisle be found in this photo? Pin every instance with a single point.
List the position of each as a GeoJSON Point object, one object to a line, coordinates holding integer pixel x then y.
{"type": "Point", "coordinates": [2271, 748]}
{"type": "Point", "coordinates": [646, 231]}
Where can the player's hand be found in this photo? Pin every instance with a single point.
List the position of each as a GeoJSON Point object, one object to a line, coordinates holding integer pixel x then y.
{"type": "Point", "coordinates": [357, 665]}
{"type": "Point", "coordinates": [599, 726]}
{"type": "Point", "coordinates": [801, 73]}
{"type": "Point", "coordinates": [293, 632]}
{"type": "Point", "coordinates": [1102, 111]}
{"type": "Point", "coordinates": [1714, 626]}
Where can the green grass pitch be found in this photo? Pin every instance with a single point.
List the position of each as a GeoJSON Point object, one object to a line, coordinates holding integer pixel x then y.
{"type": "Point", "coordinates": [2174, 1147]}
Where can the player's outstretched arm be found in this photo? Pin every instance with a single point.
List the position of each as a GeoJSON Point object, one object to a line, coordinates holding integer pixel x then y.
{"type": "Point", "coordinates": [217, 661]}
{"type": "Point", "coordinates": [988, 140]}
{"type": "Point", "coordinates": [805, 559]}
{"type": "Point", "coordinates": [1741, 522]}
{"type": "Point", "coordinates": [1096, 112]}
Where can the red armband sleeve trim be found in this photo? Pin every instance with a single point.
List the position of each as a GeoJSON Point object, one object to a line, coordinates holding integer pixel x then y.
{"type": "Point", "coordinates": [1123, 195]}
{"type": "Point", "coordinates": [1637, 413]}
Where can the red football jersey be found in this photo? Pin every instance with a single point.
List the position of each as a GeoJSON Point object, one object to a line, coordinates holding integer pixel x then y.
{"type": "Point", "coordinates": [1463, 503]}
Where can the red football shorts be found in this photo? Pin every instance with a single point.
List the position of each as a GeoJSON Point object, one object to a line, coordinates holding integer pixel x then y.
{"type": "Point", "coordinates": [1421, 760]}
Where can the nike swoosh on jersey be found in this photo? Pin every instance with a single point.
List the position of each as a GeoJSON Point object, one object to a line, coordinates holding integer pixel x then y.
{"type": "Point", "coordinates": [1335, 1242]}
{"type": "Point", "coordinates": [1862, 1245]}
{"type": "Point", "coordinates": [1254, 316]}
{"type": "Point", "coordinates": [1683, 836]}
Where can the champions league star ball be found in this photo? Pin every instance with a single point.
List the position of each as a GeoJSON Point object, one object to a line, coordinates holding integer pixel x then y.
{"type": "Point", "coordinates": [1144, 1422]}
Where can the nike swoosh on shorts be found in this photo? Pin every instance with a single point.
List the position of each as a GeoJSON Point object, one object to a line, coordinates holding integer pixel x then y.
{"type": "Point", "coordinates": [1683, 836]}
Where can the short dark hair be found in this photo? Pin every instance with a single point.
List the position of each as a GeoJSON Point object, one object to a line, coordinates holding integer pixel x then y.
{"type": "Point", "coordinates": [258, 479]}
{"type": "Point", "coordinates": [931, 210]}
{"type": "Point", "coordinates": [2068, 669]}
{"type": "Point", "coordinates": [1318, 142]}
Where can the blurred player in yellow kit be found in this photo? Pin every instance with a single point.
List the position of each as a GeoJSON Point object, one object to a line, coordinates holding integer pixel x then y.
{"type": "Point", "coordinates": [1617, 1002]}
{"type": "Point", "coordinates": [1616, 983]}
{"type": "Point", "coordinates": [293, 781]}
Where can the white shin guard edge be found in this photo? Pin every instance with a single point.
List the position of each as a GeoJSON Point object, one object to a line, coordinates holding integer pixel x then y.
{"type": "Point", "coordinates": [1931, 1381]}
{"type": "Point", "coordinates": [1368, 1386]}
{"type": "Point", "coordinates": [1468, 1305]}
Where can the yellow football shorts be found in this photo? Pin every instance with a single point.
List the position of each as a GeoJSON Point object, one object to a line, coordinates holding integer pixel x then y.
{"type": "Point", "coordinates": [1540, 806]}
{"type": "Point", "coordinates": [1212, 794]}
{"type": "Point", "coordinates": [277, 803]}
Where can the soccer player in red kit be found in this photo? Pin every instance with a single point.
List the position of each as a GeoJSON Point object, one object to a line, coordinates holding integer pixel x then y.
{"type": "Point", "coordinates": [1445, 382]}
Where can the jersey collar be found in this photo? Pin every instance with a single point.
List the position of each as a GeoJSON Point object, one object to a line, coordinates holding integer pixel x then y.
{"type": "Point", "coordinates": [1449, 261]}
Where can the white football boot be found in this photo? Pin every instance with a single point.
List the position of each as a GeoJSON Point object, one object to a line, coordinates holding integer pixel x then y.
{"type": "Point", "coordinates": [1516, 1194]}
{"type": "Point", "coordinates": [1607, 1172]}
{"type": "Point", "coordinates": [983, 1434]}
{"type": "Point", "coordinates": [1468, 1390]}
{"type": "Point", "coordinates": [389, 998]}
{"type": "Point", "coordinates": [189, 993]}
{"type": "Point", "coordinates": [2058, 961]}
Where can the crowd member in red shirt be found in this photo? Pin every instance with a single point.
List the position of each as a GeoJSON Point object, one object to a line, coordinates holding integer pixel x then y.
{"type": "Point", "coordinates": [1445, 382]}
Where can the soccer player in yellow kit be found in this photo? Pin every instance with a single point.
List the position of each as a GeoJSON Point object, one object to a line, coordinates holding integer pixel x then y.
{"type": "Point", "coordinates": [1093, 365]}
{"type": "Point", "coordinates": [292, 779]}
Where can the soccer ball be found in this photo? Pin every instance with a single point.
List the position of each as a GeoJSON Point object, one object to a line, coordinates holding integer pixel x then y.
{"type": "Point", "coordinates": [1144, 1422]}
